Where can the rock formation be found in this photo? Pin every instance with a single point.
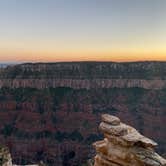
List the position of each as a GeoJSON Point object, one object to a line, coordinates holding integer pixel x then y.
{"type": "Point", "coordinates": [5, 157]}
{"type": "Point", "coordinates": [6, 160]}
{"type": "Point", "coordinates": [124, 146]}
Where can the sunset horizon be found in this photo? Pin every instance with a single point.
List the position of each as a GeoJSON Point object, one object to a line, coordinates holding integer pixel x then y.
{"type": "Point", "coordinates": [53, 30]}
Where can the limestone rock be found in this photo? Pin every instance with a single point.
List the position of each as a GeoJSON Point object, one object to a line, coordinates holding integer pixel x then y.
{"type": "Point", "coordinates": [124, 146]}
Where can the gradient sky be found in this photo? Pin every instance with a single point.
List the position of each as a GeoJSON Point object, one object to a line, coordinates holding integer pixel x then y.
{"type": "Point", "coordinates": [73, 30]}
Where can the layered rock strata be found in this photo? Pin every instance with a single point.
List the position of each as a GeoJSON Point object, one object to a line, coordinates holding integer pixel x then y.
{"type": "Point", "coordinates": [85, 75]}
{"type": "Point", "coordinates": [83, 83]}
{"type": "Point", "coordinates": [124, 146]}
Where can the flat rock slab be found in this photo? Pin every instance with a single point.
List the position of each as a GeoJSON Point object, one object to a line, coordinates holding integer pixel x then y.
{"type": "Point", "coordinates": [113, 120]}
{"type": "Point", "coordinates": [119, 130]}
{"type": "Point", "coordinates": [135, 137]}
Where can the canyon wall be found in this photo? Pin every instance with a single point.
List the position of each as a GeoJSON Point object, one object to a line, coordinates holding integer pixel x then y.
{"type": "Point", "coordinates": [87, 70]}
{"type": "Point", "coordinates": [50, 112]}
{"type": "Point", "coordinates": [83, 83]}
{"type": "Point", "coordinates": [59, 125]}
{"type": "Point", "coordinates": [85, 75]}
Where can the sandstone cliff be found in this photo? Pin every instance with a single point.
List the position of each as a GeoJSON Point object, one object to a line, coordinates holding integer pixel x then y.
{"type": "Point", "coordinates": [124, 146]}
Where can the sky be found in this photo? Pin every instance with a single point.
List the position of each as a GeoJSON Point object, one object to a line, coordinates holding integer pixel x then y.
{"type": "Point", "coordinates": [82, 30]}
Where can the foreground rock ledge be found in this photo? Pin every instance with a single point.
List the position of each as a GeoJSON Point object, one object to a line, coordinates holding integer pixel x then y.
{"type": "Point", "coordinates": [6, 160]}
{"type": "Point", "coordinates": [124, 146]}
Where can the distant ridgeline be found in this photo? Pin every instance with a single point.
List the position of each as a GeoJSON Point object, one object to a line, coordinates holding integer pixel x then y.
{"type": "Point", "coordinates": [85, 75]}
{"type": "Point", "coordinates": [3, 65]}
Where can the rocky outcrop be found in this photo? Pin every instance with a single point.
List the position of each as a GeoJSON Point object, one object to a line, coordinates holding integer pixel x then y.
{"type": "Point", "coordinates": [124, 146]}
{"type": "Point", "coordinates": [6, 160]}
{"type": "Point", "coordinates": [5, 157]}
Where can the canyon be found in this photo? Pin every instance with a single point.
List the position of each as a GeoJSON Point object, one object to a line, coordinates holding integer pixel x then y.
{"type": "Point", "coordinates": [50, 111]}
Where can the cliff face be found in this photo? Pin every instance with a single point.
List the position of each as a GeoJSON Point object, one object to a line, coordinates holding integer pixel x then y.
{"type": "Point", "coordinates": [83, 83]}
{"type": "Point", "coordinates": [124, 146]}
{"type": "Point", "coordinates": [148, 75]}
{"type": "Point", "coordinates": [87, 70]}
{"type": "Point", "coordinates": [55, 121]}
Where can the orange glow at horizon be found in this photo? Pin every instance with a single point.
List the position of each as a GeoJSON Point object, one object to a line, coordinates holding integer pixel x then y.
{"type": "Point", "coordinates": [46, 56]}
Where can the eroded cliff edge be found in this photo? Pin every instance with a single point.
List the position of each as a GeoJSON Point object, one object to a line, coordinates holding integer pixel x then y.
{"type": "Point", "coordinates": [124, 146]}
{"type": "Point", "coordinates": [85, 75]}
